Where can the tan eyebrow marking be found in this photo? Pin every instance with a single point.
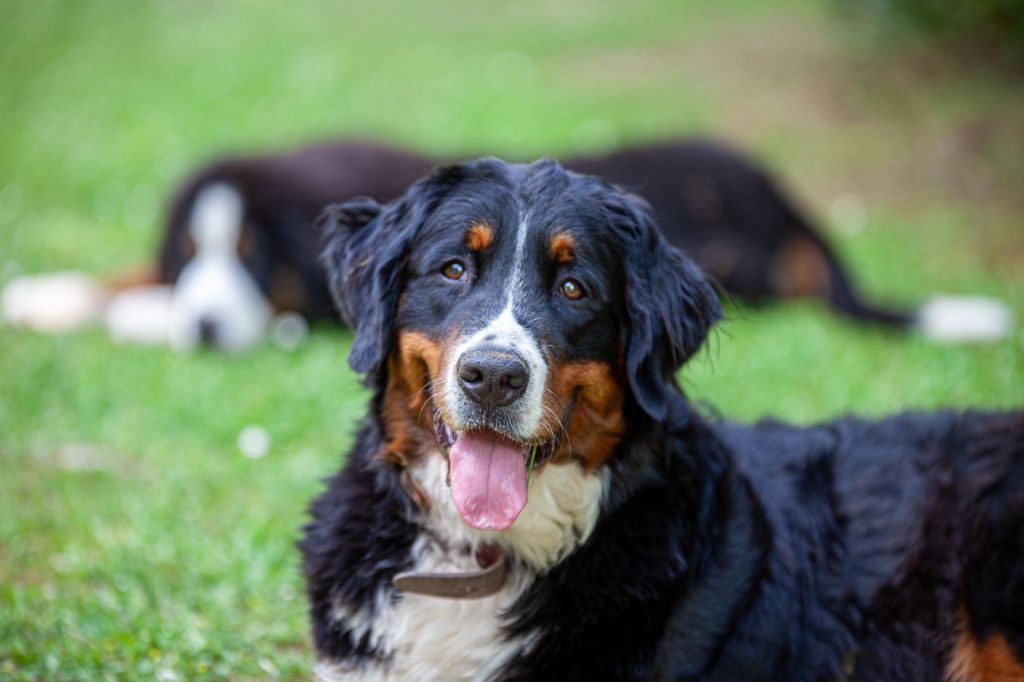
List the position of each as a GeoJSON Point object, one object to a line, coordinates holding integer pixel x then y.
{"type": "Point", "coordinates": [479, 236]}
{"type": "Point", "coordinates": [562, 248]}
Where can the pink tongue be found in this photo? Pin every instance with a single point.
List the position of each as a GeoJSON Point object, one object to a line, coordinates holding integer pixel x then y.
{"type": "Point", "coordinates": [488, 479]}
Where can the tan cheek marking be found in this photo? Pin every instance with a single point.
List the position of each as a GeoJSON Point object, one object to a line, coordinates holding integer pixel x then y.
{"type": "Point", "coordinates": [800, 270]}
{"type": "Point", "coordinates": [596, 423]}
{"type": "Point", "coordinates": [286, 289]}
{"type": "Point", "coordinates": [419, 353]}
{"type": "Point", "coordinates": [415, 491]}
{"type": "Point", "coordinates": [988, 661]}
{"type": "Point", "coordinates": [479, 237]}
{"type": "Point", "coordinates": [562, 248]}
{"type": "Point", "coordinates": [414, 363]}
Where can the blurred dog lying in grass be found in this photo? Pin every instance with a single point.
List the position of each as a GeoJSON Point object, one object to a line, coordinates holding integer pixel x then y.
{"type": "Point", "coordinates": [240, 252]}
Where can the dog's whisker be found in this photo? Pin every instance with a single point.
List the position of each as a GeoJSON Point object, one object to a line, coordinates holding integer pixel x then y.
{"type": "Point", "coordinates": [426, 403]}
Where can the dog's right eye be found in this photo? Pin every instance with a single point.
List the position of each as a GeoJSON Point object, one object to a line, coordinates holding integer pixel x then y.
{"type": "Point", "coordinates": [572, 289]}
{"type": "Point", "coordinates": [454, 269]}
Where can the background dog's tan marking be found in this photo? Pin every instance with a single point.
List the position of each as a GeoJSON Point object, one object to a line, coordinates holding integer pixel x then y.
{"type": "Point", "coordinates": [130, 278]}
{"type": "Point", "coordinates": [562, 248]}
{"type": "Point", "coordinates": [186, 244]}
{"type": "Point", "coordinates": [246, 241]}
{"type": "Point", "coordinates": [800, 270]}
{"type": "Point", "coordinates": [479, 236]}
{"type": "Point", "coordinates": [596, 423]}
{"type": "Point", "coordinates": [984, 661]}
{"type": "Point", "coordinates": [287, 289]}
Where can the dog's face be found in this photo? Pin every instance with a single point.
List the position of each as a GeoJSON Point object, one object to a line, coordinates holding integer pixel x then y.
{"type": "Point", "coordinates": [516, 316]}
{"type": "Point", "coordinates": [217, 270]}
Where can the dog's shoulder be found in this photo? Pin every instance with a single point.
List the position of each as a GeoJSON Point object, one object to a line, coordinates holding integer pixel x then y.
{"type": "Point", "coordinates": [362, 519]}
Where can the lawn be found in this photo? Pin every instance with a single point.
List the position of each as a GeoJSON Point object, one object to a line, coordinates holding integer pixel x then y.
{"type": "Point", "coordinates": [135, 540]}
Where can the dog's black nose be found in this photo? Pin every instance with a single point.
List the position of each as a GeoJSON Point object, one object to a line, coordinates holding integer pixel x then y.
{"type": "Point", "coordinates": [207, 331]}
{"type": "Point", "coordinates": [492, 378]}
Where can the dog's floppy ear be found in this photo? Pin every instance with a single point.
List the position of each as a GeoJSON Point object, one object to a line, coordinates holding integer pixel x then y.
{"type": "Point", "coordinates": [366, 246]}
{"type": "Point", "coordinates": [670, 306]}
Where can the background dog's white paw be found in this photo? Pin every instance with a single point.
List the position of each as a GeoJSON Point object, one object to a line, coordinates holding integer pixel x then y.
{"type": "Point", "coordinates": [140, 315]}
{"type": "Point", "coordinates": [965, 318]}
{"type": "Point", "coordinates": [55, 303]}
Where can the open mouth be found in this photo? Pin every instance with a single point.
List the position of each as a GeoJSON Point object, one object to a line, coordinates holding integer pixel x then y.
{"type": "Point", "coordinates": [489, 472]}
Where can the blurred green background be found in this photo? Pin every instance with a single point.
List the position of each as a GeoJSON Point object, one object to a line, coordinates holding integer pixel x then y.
{"type": "Point", "coordinates": [137, 543]}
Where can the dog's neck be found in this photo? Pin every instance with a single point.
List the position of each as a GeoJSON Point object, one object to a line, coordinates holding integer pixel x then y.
{"type": "Point", "coordinates": [719, 589]}
{"type": "Point", "coordinates": [730, 541]}
{"type": "Point", "coordinates": [564, 503]}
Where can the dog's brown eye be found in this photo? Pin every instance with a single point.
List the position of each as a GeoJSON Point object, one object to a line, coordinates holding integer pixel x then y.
{"type": "Point", "coordinates": [454, 270]}
{"type": "Point", "coordinates": [572, 289]}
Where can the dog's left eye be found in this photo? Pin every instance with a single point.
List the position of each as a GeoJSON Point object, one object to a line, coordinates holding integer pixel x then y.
{"type": "Point", "coordinates": [454, 269]}
{"type": "Point", "coordinates": [571, 289]}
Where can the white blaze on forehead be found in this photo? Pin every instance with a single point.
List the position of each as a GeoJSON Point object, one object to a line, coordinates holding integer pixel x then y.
{"type": "Point", "coordinates": [216, 222]}
{"type": "Point", "coordinates": [505, 331]}
{"type": "Point", "coordinates": [517, 261]}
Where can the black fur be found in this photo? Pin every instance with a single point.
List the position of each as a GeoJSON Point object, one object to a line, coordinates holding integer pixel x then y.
{"type": "Point", "coordinates": [364, 522]}
{"type": "Point", "coordinates": [669, 305]}
{"type": "Point", "coordinates": [842, 551]}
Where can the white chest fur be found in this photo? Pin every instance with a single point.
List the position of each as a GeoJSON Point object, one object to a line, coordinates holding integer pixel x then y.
{"type": "Point", "coordinates": [435, 638]}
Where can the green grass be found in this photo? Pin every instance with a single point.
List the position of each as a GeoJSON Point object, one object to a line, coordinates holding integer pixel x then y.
{"type": "Point", "coordinates": [135, 540]}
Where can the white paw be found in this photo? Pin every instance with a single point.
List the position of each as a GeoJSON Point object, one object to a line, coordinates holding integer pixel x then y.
{"type": "Point", "coordinates": [965, 319]}
{"type": "Point", "coordinates": [54, 303]}
{"type": "Point", "coordinates": [140, 315]}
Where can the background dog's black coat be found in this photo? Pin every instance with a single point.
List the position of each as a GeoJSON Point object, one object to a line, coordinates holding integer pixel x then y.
{"type": "Point", "coordinates": [731, 217]}
{"type": "Point", "coordinates": [852, 550]}
{"type": "Point", "coordinates": [711, 202]}
{"type": "Point", "coordinates": [282, 196]}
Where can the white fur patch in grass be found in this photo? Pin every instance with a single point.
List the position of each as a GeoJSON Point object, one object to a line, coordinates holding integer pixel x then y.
{"type": "Point", "coordinates": [55, 303]}
{"type": "Point", "coordinates": [140, 315]}
{"type": "Point", "coordinates": [959, 319]}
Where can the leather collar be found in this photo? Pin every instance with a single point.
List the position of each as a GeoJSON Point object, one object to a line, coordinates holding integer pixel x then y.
{"type": "Point", "coordinates": [488, 580]}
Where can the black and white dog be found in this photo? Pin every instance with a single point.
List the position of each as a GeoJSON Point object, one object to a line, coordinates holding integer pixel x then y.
{"type": "Point", "coordinates": [239, 246]}
{"type": "Point", "coordinates": [238, 249]}
{"type": "Point", "coordinates": [531, 497]}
